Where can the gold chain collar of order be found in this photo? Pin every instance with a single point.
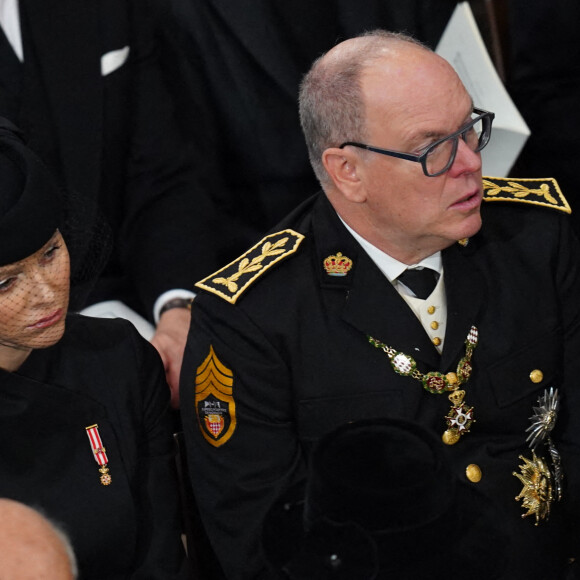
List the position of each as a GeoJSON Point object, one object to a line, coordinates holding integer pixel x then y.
{"type": "Point", "coordinates": [460, 417]}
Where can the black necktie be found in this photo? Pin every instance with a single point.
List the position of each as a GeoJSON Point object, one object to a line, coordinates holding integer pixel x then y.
{"type": "Point", "coordinates": [421, 281]}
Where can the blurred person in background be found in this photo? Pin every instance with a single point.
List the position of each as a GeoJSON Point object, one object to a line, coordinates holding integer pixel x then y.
{"type": "Point", "coordinates": [544, 81]}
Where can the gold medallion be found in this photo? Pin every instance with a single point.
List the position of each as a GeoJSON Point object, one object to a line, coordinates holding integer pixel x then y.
{"type": "Point", "coordinates": [105, 476]}
{"type": "Point", "coordinates": [452, 378]}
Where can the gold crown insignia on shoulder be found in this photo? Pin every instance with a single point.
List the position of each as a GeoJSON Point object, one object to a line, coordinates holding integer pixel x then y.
{"type": "Point", "coordinates": [232, 280]}
{"type": "Point", "coordinates": [543, 192]}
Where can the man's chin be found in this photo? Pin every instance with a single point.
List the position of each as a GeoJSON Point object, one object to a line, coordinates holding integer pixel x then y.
{"type": "Point", "coordinates": [471, 226]}
{"type": "Point", "coordinates": [468, 229]}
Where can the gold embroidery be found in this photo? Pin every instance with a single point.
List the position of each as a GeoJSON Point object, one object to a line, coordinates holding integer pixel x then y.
{"type": "Point", "coordinates": [239, 274]}
{"type": "Point", "coordinates": [214, 400]}
{"type": "Point", "coordinates": [337, 265]}
{"type": "Point", "coordinates": [246, 266]}
{"type": "Point", "coordinates": [519, 190]}
{"type": "Point", "coordinates": [544, 192]}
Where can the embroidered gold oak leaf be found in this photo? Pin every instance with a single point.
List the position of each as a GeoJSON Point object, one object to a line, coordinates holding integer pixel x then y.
{"type": "Point", "coordinates": [518, 190]}
{"type": "Point", "coordinates": [246, 266]}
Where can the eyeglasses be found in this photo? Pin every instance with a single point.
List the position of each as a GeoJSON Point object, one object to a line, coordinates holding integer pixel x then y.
{"type": "Point", "coordinates": [438, 157]}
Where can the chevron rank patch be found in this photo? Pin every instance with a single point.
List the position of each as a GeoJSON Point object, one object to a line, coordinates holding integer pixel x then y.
{"type": "Point", "coordinates": [544, 192]}
{"type": "Point", "coordinates": [231, 281]}
{"type": "Point", "coordinates": [214, 400]}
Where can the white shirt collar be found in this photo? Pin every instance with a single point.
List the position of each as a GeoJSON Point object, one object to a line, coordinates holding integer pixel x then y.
{"type": "Point", "coordinates": [432, 313]}
{"type": "Point", "coordinates": [388, 265]}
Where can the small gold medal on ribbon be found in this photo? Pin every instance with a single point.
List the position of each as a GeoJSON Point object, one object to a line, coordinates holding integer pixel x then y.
{"type": "Point", "coordinates": [99, 453]}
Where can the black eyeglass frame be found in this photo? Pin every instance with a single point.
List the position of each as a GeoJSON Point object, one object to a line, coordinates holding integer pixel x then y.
{"type": "Point", "coordinates": [486, 117]}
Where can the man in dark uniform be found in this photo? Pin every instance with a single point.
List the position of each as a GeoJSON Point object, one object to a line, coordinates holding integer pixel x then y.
{"type": "Point", "coordinates": [323, 321]}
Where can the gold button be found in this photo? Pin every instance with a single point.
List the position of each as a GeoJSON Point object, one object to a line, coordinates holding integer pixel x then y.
{"type": "Point", "coordinates": [473, 473]}
{"type": "Point", "coordinates": [431, 310]}
{"type": "Point", "coordinates": [536, 376]}
{"type": "Point", "coordinates": [436, 341]}
{"type": "Point", "coordinates": [450, 437]}
{"type": "Point", "coordinates": [434, 325]}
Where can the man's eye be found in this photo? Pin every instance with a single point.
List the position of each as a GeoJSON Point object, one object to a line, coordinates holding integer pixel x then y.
{"type": "Point", "coordinates": [471, 135]}
{"type": "Point", "coordinates": [428, 148]}
{"type": "Point", "coordinates": [432, 151]}
{"type": "Point", "coordinates": [443, 148]}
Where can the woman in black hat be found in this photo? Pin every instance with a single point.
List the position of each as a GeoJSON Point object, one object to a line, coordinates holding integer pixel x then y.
{"type": "Point", "coordinates": [84, 433]}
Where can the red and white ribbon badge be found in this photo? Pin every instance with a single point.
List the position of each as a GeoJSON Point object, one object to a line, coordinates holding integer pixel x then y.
{"type": "Point", "coordinates": [99, 453]}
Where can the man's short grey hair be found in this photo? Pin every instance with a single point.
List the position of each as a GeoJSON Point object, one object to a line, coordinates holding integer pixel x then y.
{"type": "Point", "coordinates": [331, 103]}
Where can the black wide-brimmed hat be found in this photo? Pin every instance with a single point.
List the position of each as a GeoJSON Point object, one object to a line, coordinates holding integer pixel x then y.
{"type": "Point", "coordinates": [33, 206]}
{"type": "Point", "coordinates": [381, 501]}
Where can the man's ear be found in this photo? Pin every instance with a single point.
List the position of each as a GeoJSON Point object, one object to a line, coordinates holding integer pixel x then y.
{"type": "Point", "coordinates": [343, 168]}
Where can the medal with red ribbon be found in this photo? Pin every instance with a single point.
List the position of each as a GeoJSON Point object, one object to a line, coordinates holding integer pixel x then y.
{"type": "Point", "coordinates": [99, 453]}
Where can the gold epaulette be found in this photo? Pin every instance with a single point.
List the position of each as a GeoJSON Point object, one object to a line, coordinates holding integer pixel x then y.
{"type": "Point", "coordinates": [234, 279]}
{"type": "Point", "coordinates": [545, 192]}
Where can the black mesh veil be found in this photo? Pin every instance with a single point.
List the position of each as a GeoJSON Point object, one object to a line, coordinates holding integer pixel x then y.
{"type": "Point", "coordinates": [89, 239]}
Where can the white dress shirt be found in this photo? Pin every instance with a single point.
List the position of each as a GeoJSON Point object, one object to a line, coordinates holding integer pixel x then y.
{"type": "Point", "coordinates": [431, 312]}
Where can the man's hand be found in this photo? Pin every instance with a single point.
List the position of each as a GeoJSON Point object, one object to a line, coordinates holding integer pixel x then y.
{"type": "Point", "coordinates": [169, 340]}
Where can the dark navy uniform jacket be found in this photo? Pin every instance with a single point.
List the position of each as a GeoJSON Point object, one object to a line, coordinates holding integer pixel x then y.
{"type": "Point", "coordinates": [278, 355]}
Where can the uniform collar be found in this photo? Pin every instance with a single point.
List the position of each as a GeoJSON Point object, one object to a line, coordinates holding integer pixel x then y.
{"type": "Point", "coordinates": [389, 266]}
{"type": "Point", "coordinates": [370, 302]}
{"type": "Point", "coordinates": [373, 305]}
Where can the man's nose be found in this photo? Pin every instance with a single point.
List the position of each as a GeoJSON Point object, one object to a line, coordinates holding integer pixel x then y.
{"type": "Point", "coordinates": [466, 160]}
